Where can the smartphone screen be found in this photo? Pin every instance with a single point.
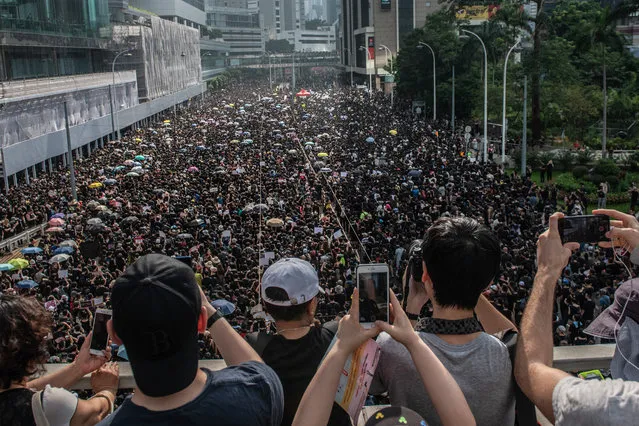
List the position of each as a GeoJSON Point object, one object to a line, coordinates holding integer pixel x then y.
{"type": "Point", "coordinates": [100, 337]}
{"type": "Point", "coordinates": [584, 229]}
{"type": "Point", "coordinates": [372, 281]}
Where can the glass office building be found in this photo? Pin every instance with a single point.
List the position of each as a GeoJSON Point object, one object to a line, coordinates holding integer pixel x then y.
{"type": "Point", "coordinates": [46, 38]}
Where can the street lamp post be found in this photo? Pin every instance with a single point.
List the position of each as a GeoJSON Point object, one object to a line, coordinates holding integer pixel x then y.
{"type": "Point", "coordinates": [503, 114]}
{"type": "Point", "coordinates": [388, 51]}
{"type": "Point", "coordinates": [293, 72]}
{"type": "Point", "coordinates": [370, 76]}
{"type": "Point", "coordinates": [485, 93]}
{"type": "Point", "coordinates": [421, 43]}
{"type": "Point", "coordinates": [114, 113]}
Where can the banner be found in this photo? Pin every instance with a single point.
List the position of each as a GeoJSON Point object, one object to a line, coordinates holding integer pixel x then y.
{"type": "Point", "coordinates": [476, 13]}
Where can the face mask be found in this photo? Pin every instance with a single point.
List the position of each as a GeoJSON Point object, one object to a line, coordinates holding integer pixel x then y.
{"type": "Point", "coordinates": [626, 352]}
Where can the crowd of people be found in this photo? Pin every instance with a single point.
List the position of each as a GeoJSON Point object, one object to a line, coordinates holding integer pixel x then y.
{"type": "Point", "coordinates": [247, 177]}
{"type": "Point", "coordinates": [264, 203]}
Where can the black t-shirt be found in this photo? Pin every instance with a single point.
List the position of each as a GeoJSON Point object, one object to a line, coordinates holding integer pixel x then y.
{"type": "Point", "coordinates": [295, 362]}
{"type": "Point", "coordinates": [15, 408]}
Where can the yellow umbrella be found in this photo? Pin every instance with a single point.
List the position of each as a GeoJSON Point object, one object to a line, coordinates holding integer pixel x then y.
{"type": "Point", "coordinates": [393, 132]}
{"type": "Point", "coordinates": [138, 139]}
{"type": "Point", "coordinates": [19, 263]}
{"type": "Point", "coordinates": [95, 185]}
{"type": "Point", "coordinates": [235, 141]}
{"type": "Point", "coordinates": [322, 154]}
{"type": "Point", "coordinates": [167, 121]}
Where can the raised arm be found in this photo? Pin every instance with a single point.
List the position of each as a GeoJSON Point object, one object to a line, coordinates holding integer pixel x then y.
{"type": "Point", "coordinates": [83, 364]}
{"type": "Point", "coordinates": [234, 349]}
{"type": "Point", "coordinates": [317, 401]}
{"type": "Point", "coordinates": [533, 363]}
{"type": "Point", "coordinates": [443, 390]}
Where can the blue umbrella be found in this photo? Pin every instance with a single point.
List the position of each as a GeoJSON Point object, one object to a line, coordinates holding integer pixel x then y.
{"type": "Point", "coordinates": [200, 148]}
{"type": "Point", "coordinates": [224, 306]}
{"type": "Point", "coordinates": [63, 250]}
{"type": "Point", "coordinates": [31, 250]}
{"type": "Point", "coordinates": [6, 267]}
{"type": "Point", "coordinates": [119, 168]}
{"type": "Point", "coordinates": [370, 139]}
{"type": "Point", "coordinates": [415, 173]}
{"type": "Point", "coordinates": [110, 182]}
{"type": "Point", "coordinates": [58, 216]}
{"type": "Point", "coordinates": [24, 284]}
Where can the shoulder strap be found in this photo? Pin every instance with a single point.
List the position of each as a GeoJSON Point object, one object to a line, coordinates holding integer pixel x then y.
{"type": "Point", "coordinates": [525, 413]}
{"type": "Point", "coordinates": [38, 410]}
{"type": "Point", "coordinates": [259, 341]}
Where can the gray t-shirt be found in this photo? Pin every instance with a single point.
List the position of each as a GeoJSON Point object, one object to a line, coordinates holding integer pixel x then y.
{"type": "Point", "coordinates": [481, 368]}
{"type": "Point", "coordinates": [594, 403]}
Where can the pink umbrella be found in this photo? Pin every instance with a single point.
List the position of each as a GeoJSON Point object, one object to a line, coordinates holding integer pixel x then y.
{"type": "Point", "coordinates": [193, 169]}
{"type": "Point", "coordinates": [54, 230]}
{"type": "Point", "coordinates": [56, 222]}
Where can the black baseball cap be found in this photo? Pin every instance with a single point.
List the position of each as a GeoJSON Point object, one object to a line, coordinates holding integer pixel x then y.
{"type": "Point", "coordinates": [156, 306]}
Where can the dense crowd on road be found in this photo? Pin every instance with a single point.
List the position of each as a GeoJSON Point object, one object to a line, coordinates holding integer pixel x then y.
{"type": "Point", "coordinates": [249, 176]}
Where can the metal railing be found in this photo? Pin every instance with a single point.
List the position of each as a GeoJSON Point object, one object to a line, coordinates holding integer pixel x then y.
{"type": "Point", "coordinates": [22, 238]}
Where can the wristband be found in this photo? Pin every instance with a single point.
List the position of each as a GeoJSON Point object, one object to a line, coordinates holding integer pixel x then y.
{"type": "Point", "coordinates": [213, 318]}
{"type": "Point", "coordinates": [102, 394]}
{"type": "Point", "coordinates": [412, 317]}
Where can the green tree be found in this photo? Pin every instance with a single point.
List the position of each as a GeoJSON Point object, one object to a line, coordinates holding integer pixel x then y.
{"type": "Point", "coordinates": [279, 46]}
{"type": "Point", "coordinates": [314, 24]}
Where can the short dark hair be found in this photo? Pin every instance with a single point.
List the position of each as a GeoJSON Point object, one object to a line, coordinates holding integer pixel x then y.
{"type": "Point", "coordinates": [24, 324]}
{"type": "Point", "coordinates": [462, 257]}
{"type": "Point", "coordinates": [283, 313]}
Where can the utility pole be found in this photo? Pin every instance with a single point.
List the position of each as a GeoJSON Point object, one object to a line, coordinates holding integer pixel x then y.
{"type": "Point", "coordinates": [112, 109]}
{"type": "Point", "coordinates": [452, 118]}
{"type": "Point", "coordinates": [293, 72]}
{"type": "Point", "coordinates": [74, 192]}
{"type": "Point", "coordinates": [524, 136]}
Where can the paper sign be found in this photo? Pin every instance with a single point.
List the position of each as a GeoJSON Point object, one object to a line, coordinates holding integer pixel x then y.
{"type": "Point", "coordinates": [98, 301]}
{"type": "Point", "coordinates": [338, 234]}
{"type": "Point", "coordinates": [356, 377]}
{"type": "Point", "coordinates": [343, 174]}
{"type": "Point", "coordinates": [318, 230]}
{"type": "Point", "coordinates": [266, 257]}
{"type": "Point", "coordinates": [63, 273]}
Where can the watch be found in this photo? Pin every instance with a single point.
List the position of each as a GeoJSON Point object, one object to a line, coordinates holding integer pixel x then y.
{"type": "Point", "coordinates": [412, 317]}
{"type": "Point", "coordinates": [216, 316]}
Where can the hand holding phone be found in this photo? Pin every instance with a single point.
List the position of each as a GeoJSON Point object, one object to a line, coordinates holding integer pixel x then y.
{"type": "Point", "coordinates": [373, 286]}
{"type": "Point", "coordinates": [100, 335]}
{"type": "Point", "coordinates": [584, 229]}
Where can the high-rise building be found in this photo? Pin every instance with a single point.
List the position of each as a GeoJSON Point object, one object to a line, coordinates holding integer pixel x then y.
{"type": "Point", "coordinates": [366, 26]}
{"type": "Point", "coordinates": [241, 27]}
{"type": "Point", "coordinates": [282, 15]}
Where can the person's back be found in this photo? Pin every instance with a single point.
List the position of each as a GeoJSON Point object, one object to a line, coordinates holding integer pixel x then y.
{"type": "Point", "coordinates": [289, 289]}
{"type": "Point", "coordinates": [481, 368]}
{"type": "Point", "coordinates": [237, 395]}
{"type": "Point", "coordinates": [158, 312]}
{"type": "Point", "coordinates": [460, 258]}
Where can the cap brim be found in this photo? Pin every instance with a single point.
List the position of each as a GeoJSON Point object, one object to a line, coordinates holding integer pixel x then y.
{"type": "Point", "coordinates": [604, 325]}
{"type": "Point", "coordinates": [157, 378]}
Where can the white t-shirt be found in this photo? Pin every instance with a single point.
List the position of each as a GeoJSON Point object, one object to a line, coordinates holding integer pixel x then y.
{"type": "Point", "coordinates": [595, 402]}
{"type": "Point", "coordinates": [59, 405]}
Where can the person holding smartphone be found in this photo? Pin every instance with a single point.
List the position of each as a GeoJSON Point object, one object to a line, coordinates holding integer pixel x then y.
{"type": "Point", "coordinates": [24, 326]}
{"type": "Point", "coordinates": [448, 399]}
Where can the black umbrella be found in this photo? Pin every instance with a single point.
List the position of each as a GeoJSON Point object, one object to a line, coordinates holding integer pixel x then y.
{"type": "Point", "coordinates": [130, 220]}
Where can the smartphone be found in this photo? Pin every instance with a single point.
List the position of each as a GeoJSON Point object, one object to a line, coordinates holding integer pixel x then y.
{"type": "Point", "coordinates": [373, 286]}
{"type": "Point", "coordinates": [100, 337]}
{"type": "Point", "coordinates": [584, 229]}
